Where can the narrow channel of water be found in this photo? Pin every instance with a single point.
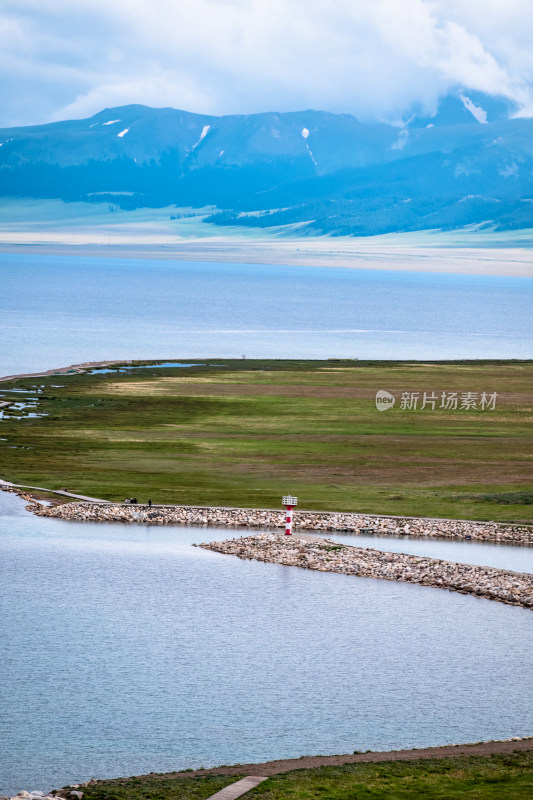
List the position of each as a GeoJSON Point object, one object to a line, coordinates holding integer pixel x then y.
{"type": "Point", "coordinates": [126, 650]}
{"type": "Point", "coordinates": [485, 554]}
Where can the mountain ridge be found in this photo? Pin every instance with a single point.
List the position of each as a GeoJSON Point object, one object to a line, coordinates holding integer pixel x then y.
{"type": "Point", "coordinates": [471, 164]}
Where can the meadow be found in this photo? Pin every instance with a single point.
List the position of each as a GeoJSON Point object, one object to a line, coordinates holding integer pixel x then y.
{"type": "Point", "coordinates": [243, 433]}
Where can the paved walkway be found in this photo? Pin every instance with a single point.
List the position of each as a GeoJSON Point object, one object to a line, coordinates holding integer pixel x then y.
{"type": "Point", "coordinates": [237, 789]}
{"type": "Point", "coordinates": [63, 492]}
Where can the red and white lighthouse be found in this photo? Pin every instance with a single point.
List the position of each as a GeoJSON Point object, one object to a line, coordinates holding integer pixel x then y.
{"type": "Point", "coordinates": [289, 502]}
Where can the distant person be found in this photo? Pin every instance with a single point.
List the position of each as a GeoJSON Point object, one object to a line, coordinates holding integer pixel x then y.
{"type": "Point", "coordinates": [149, 504]}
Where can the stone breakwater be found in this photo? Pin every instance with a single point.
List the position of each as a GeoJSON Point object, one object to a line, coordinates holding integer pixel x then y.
{"type": "Point", "coordinates": [514, 588]}
{"type": "Point", "coordinates": [321, 521]}
{"type": "Point", "coordinates": [32, 503]}
{"type": "Point", "coordinates": [56, 794]}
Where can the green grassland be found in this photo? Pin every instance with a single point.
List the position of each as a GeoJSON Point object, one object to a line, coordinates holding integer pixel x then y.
{"type": "Point", "coordinates": [245, 432]}
{"type": "Point", "coordinates": [499, 777]}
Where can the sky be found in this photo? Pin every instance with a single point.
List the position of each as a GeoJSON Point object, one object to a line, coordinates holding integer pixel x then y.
{"type": "Point", "coordinates": [68, 59]}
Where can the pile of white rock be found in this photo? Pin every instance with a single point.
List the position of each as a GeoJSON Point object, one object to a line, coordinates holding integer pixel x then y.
{"type": "Point", "coordinates": [514, 588]}
{"type": "Point", "coordinates": [38, 795]}
{"type": "Point", "coordinates": [340, 522]}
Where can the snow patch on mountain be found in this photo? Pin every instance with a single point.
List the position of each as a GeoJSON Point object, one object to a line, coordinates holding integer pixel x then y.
{"type": "Point", "coordinates": [205, 131]}
{"type": "Point", "coordinates": [477, 112]}
{"type": "Point", "coordinates": [123, 133]}
{"type": "Point", "coordinates": [110, 122]}
{"type": "Point", "coordinates": [311, 155]}
{"type": "Point", "coordinates": [479, 197]}
{"type": "Point", "coordinates": [305, 132]}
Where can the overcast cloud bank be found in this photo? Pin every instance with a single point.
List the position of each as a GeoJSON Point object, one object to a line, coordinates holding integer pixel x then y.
{"type": "Point", "coordinates": [375, 59]}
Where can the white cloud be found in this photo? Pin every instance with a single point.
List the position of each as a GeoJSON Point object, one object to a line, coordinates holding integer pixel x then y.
{"type": "Point", "coordinates": [377, 58]}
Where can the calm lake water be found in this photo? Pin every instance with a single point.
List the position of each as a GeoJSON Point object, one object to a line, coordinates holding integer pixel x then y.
{"type": "Point", "coordinates": [57, 310]}
{"type": "Point", "coordinates": [126, 650]}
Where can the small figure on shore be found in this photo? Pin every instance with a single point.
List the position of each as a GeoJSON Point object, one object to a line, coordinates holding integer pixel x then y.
{"type": "Point", "coordinates": [149, 504]}
{"type": "Point", "coordinates": [134, 500]}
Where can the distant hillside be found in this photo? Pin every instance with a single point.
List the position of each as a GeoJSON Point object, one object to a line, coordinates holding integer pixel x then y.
{"type": "Point", "coordinates": [469, 163]}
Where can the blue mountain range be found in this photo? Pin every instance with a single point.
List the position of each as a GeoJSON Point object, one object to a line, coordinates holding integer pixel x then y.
{"type": "Point", "coordinates": [469, 163]}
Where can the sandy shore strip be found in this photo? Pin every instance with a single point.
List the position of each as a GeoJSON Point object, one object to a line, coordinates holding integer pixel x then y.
{"type": "Point", "coordinates": [323, 555]}
{"type": "Point", "coordinates": [372, 253]}
{"type": "Point", "coordinates": [70, 370]}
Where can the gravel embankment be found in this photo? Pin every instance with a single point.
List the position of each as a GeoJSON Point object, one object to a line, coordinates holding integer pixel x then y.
{"type": "Point", "coordinates": [303, 520]}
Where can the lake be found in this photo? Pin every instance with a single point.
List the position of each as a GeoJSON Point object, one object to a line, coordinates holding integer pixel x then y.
{"type": "Point", "coordinates": [126, 650]}
{"type": "Point", "coordinates": [58, 310]}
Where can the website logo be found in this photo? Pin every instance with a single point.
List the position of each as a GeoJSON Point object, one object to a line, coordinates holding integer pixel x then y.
{"type": "Point", "coordinates": [384, 400]}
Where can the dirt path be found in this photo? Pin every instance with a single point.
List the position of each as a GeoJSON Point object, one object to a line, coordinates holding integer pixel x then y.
{"type": "Point", "coordinates": [306, 762]}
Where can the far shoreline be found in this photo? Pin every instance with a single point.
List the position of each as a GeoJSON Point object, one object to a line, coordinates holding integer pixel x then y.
{"type": "Point", "coordinates": [372, 253]}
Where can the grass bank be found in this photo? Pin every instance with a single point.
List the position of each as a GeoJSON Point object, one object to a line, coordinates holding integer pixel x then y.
{"type": "Point", "coordinates": [493, 777]}
{"type": "Point", "coordinates": [242, 433]}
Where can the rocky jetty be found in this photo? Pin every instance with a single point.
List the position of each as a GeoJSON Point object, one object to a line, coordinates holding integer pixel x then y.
{"type": "Point", "coordinates": [32, 504]}
{"type": "Point", "coordinates": [35, 795]}
{"type": "Point", "coordinates": [56, 794]}
{"type": "Point", "coordinates": [505, 586]}
{"type": "Point", "coordinates": [322, 521]}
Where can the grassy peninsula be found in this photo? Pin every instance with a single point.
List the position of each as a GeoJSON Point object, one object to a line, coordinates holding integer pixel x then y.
{"type": "Point", "coordinates": [245, 432]}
